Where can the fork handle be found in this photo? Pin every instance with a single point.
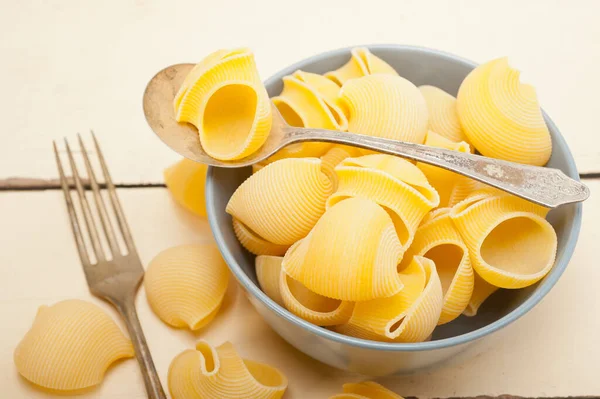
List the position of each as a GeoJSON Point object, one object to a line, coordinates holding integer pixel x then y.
{"type": "Point", "coordinates": [548, 187]}
{"type": "Point", "coordinates": [142, 352]}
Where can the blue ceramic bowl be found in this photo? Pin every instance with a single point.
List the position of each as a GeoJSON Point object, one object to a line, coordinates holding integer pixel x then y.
{"type": "Point", "coordinates": [421, 66]}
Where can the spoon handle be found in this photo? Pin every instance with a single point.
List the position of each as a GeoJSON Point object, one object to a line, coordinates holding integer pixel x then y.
{"type": "Point", "coordinates": [548, 187]}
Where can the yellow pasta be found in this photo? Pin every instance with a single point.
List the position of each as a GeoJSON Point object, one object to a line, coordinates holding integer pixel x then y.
{"type": "Point", "coordinates": [220, 373]}
{"type": "Point", "coordinates": [366, 390]}
{"type": "Point", "coordinates": [185, 181]}
{"type": "Point", "coordinates": [70, 346]}
{"type": "Point", "coordinates": [254, 243]}
{"type": "Point", "coordinates": [351, 254]}
{"type": "Point", "coordinates": [185, 285]}
{"type": "Point", "coordinates": [309, 100]}
{"type": "Point", "coordinates": [394, 183]}
{"type": "Point", "coordinates": [385, 106]}
{"type": "Point", "coordinates": [311, 306]}
{"type": "Point", "coordinates": [510, 243]}
{"type": "Point", "coordinates": [283, 201]}
{"type": "Point", "coordinates": [408, 316]}
{"type": "Point", "coordinates": [443, 117]}
{"type": "Point", "coordinates": [362, 63]}
{"type": "Point", "coordinates": [333, 157]}
{"type": "Point", "coordinates": [482, 290]}
{"type": "Point", "coordinates": [224, 98]}
{"type": "Point", "coordinates": [438, 240]}
{"type": "Point", "coordinates": [268, 274]}
{"type": "Point", "coordinates": [451, 186]}
{"type": "Point", "coordinates": [501, 116]}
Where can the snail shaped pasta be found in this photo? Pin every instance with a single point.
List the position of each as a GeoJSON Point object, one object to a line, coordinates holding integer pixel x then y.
{"type": "Point", "coordinates": [280, 203]}
{"type": "Point", "coordinates": [366, 390]}
{"type": "Point", "coordinates": [298, 299]}
{"type": "Point", "coordinates": [482, 290]}
{"type": "Point", "coordinates": [362, 63]}
{"type": "Point", "coordinates": [254, 243]}
{"type": "Point", "coordinates": [185, 181]}
{"type": "Point", "coordinates": [309, 100]}
{"type": "Point", "coordinates": [394, 183]}
{"type": "Point", "coordinates": [268, 274]}
{"type": "Point", "coordinates": [411, 315]}
{"type": "Point", "coordinates": [501, 116]}
{"type": "Point", "coordinates": [438, 239]}
{"type": "Point", "coordinates": [351, 254]}
{"type": "Point", "coordinates": [220, 373]}
{"type": "Point", "coordinates": [224, 98]}
{"type": "Point", "coordinates": [451, 187]}
{"type": "Point", "coordinates": [511, 245]}
{"type": "Point", "coordinates": [443, 117]}
{"type": "Point", "coordinates": [386, 106]}
{"type": "Point", "coordinates": [185, 285]}
{"type": "Point", "coordinates": [70, 346]}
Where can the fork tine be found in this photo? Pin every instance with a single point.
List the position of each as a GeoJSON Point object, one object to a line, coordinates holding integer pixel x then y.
{"type": "Point", "coordinates": [85, 260]}
{"type": "Point", "coordinates": [85, 207]}
{"type": "Point", "coordinates": [106, 224]}
{"type": "Point", "coordinates": [114, 199]}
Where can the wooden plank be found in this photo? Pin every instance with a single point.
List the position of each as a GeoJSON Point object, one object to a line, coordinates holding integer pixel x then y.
{"type": "Point", "coordinates": [551, 352]}
{"type": "Point", "coordinates": [64, 72]}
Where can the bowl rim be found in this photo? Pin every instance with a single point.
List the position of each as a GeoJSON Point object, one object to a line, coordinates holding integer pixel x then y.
{"type": "Point", "coordinates": [545, 285]}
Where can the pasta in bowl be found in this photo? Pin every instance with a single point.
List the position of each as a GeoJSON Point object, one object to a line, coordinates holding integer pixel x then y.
{"type": "Point", "coordinates": [449, 241]}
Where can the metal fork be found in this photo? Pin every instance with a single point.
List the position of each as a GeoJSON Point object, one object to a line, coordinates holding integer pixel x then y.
{"type": "Point", "coordinates": [118, 279]}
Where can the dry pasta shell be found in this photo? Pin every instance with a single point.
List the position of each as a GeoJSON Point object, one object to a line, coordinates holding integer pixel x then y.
{"type": "Point", "coordinates": [268, 274]}
{"type": "Point", "coordinates": [70, 346]}
{"type": "Point", "coordinates": [510, 243]}
{"type": "Point", "coordinates": [351, 254]}
{"type": "Point", "coordinates": [225, 99]}
{"type": "Point", "coordinates": [394, 183]}
{"type": "Point", "coordinates": [220, 373]}
{"type": "Point", "coordinates": [501, 116]}
{"type": "Point", "coordinates": [385, 106]}
{"type": "Point", "coordinates": [443, 117]}
{"type": "Point", "coordinates": [439, 240]}
{"type": "Point", "coordinates": [362, 63]}
{"type": "Point", "coordinates": [255, 244]}
{"type": "Point", "coordinates": [408, 316]}
{"type": "Point", "coordinates": [185, 285]}
{"type": "Point", "coordinates": [282, 201]}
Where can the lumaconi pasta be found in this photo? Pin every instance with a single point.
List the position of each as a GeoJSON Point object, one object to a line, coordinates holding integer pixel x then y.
{"type": "Point", "coordinates": [226, 101]}
{"type": "Point", "coordinates": [366, 390]}
{"type": "Point", "coordinates": [510, 243]}
{"type": "Point", "coordinates": [451, 187]}
{"type": "Point", "coordinates": [254, 243]}
{"type": "Point", "coordinates": [185, 181]}
{"type": "Point", "coordinates": [311, 306]}
{"type": "Point", "coordinates": [482, 290]}
{"type": "Point", "coordinates": [220, 373]}
{"type": "Point", "coordinates": [70, 346]}
{"type": "Point", "coordinates": [408, 316]}
{"type": "Point", "coordinates": [392, 182]}
{"type": "Point", "coordinates": [309, 100]}
{"type": "Point", "coordinates": [268, 274]}
{"type": "Point", "coordinates": [362, 63]}
{"type": "Point", "coordinates": [283, 201]}
{"type": "Point", "coordinates": [443, 117]}
{"type": "Point", "coordinates": [185, 285]}
{"type": "Point", "coordinates": [438, 240]}
{"type": "Point", "coordinates": [351, 254]}
{"type": "Point", "coordinates": [385, 106]}
{"type": "Point", "coordinates": [501, 116]}
{"type": "Point", "coordinates": [334, 157]}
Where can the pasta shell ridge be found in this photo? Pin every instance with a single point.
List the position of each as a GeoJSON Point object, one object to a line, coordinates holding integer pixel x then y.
{"type": "Point", "coordinates": [443, 116]}
{"type": "Point", "coordinates": [254, 243]}
{"type": "Point", "coordinates": [268, 274]}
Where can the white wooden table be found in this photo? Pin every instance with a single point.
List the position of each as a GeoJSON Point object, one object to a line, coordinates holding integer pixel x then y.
{"type": "Point", "coordinates": [72, 66]}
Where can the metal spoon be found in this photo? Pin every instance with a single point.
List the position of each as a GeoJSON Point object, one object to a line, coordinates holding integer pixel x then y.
{"type": "Point", "coordinates": [545, 186]}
